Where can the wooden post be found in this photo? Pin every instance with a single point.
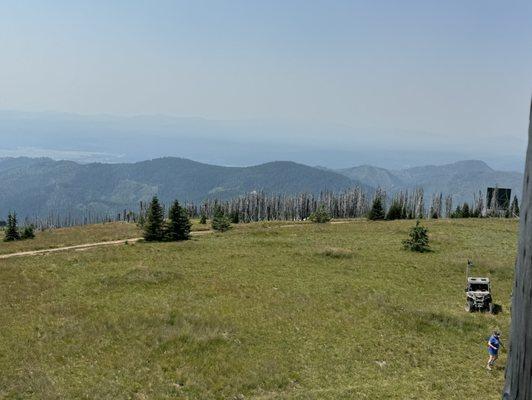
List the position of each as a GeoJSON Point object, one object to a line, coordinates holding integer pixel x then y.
{"type": "Point", "coordinates": [519, 367]}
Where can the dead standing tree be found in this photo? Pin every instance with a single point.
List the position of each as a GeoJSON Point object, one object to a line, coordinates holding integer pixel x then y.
{"type": "Point", "coordinates": [448, 206]}
{"type": "Point", "coordinates": [519, 368]}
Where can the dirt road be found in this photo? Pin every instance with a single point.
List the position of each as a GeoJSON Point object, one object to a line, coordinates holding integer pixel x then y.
{"type": "Point", "coordinates": [82, 246]}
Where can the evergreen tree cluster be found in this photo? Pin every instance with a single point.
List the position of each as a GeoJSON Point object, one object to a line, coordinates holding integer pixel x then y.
{"type": "Point", "coordinates": [158, 229]}
{"type": "Point", "coordinates": [466, 211]}
{"type": "Point", "coordinates": [12, 232]}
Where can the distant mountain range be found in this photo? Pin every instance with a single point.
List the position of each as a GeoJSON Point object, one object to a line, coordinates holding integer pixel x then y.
{"type": "Point", "coordinates": [39, 186]}
{"type": "Point", "coordinates": [461, 179]}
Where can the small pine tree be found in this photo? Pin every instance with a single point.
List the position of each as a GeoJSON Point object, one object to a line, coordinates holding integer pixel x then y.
{"type": "Point", "coordinates": [178, 226]}
{"type": "Point", "coordinates": [395, 211]}
{"type": "Point", "coordinates": [203, 219]}
{"type": "Point", "coordinates": [418, 240]}
{"type": "Point", "coordinates": [377, 210]}
{"type": "Point", "coordinates": [234, 217]}
{"type": "Point", "coordinates": [466, 213]}
{"type": "Point", "coordinates": [515, 208]}
{"type": "Point", "coordinates": [320, 216]}
{"type": "Point", "coordinates": [28, 232]}
{"type": "Point", "coordinates": [154, 222]}
{"type": "Point", "coordinates": [11, 232]}
{"type": "Point", "coordinates": [220, 222]}
{"type": "Point", "coordinates": [457, 213]}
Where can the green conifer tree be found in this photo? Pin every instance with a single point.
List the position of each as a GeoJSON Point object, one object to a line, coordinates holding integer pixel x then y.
{"type": "Point", "coordinates": [235, 219]}
{"type": "Point", "coordinates": [395, 211]}
{"type": "Point", "coordinates": [418, 239]}
{"type": "Point", "coordinates": [466, 213]}
{"type": "Point", "coordinates": [220, 222]}
{"type": "Point", "coordinates": [154, 222]}
{"type": "Point", "coordinates": [28, 232]}
{"type": "Point", "coordinates": [377, 210]}
{"type": "Point", "coordinates": [457, 213]}
{"type": "Point", "coordinates": [320, 216]}
{"type": "Point", "coordinates": [11, 231]}
{"type": "Point", "coordinates": [178, 225]}
{"type": "Point", "coordinates": [203, 218]}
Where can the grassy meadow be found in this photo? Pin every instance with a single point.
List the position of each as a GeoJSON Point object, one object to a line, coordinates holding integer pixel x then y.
{"type": "Point", "coordinates": [53, 238]}
{"type": "Point", "coordinates": [265, 311]}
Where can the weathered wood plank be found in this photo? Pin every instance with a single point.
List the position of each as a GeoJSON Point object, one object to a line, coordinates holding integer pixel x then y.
{"type": "Point", "coordinates": [519, 368]}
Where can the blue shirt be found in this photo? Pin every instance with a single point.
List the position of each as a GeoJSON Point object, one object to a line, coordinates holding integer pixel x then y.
{"type": "Point", "coordinates": [494, 341]}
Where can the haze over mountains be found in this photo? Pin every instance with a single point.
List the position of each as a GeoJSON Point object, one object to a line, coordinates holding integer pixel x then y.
{"type": "Point", "coordinates": [108, 138]}
{"type": "Point", "coordinates": [38, 186]}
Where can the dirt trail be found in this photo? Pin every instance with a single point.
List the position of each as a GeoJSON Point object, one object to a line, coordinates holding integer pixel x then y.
{"type": "Point", "coordinates": [80, 247]}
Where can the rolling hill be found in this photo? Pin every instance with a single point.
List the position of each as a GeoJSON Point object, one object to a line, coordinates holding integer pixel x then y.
{"type": "Point", "coordinates": [36, 187]}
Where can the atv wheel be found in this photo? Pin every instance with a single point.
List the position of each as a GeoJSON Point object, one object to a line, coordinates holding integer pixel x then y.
{"type": "Point", "coordinates": [492, 308]}
{"type": "Point", "coordinates": [470, 307]}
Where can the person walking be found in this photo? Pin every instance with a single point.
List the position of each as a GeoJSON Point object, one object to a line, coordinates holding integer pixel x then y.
{"type": "Point", "coordinates": [494, 343]}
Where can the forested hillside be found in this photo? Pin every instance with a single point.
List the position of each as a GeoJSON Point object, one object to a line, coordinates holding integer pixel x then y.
{"type": "Point", "coordinates": [37, 187]}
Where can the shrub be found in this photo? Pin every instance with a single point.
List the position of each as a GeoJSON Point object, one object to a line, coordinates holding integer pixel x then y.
{"type": "Point", "coordinates": [334, 252]}
{"type": "Point", "coordinates": [203, 219]}
{"type": "Point", "coordinates": [28, 232]}
{"type": "Point", "coordinates": [220, 222]}
{"type": "Point", "coordinates": [320, 216]}
{"type": "Point", "coordinates": [418, 240]}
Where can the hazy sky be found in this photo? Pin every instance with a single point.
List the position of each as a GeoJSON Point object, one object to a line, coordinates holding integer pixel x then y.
{"type": "Point", "coordinates": [441, 68]}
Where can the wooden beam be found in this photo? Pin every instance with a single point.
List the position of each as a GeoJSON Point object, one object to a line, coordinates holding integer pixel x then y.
{"type": "Point", "coordinates": [519, 367]}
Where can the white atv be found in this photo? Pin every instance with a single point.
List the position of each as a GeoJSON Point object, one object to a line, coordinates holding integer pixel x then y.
{"type": "Point", "coordinates": [478, 295]}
